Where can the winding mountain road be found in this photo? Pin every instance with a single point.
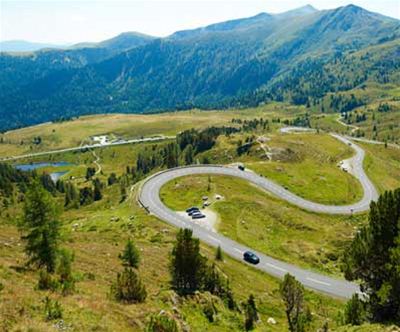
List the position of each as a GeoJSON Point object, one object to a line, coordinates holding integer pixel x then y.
{"type": "Point", "coordinates": [92, 146]}
{"type": "Point", "coordinates": [149, 197]}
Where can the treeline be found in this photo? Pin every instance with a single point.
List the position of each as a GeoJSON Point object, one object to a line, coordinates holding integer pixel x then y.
{"type": "Point", "coordinates": [299, 121]}
{"type": "Point", "coordinates": [187, 146]}
{"type": "Point", "coordinates": [86, 195]}
{"type": "Point", "coordinates": [9, 176]}
{"type": "Point", "coordinates": [254, 124]}
{"type": "Point", "coordinates": [374, 259]}
{"type": "Point", "coordinates": [14, 181]}
{"type": "Point", "coordinates": [358, 117]}
{"type": "Point", "coordinates": [311, 80]}
{"type": "Point", "coordinates": [344, 103]}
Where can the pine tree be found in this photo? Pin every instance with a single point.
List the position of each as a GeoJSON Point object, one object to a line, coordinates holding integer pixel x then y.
{"type": "Point", "coordinates": [112, 179]}
{"type": "Point", "coordinates": [64, 270]}
{"type": "Point", "coordinates": [189, 153]}
{"type": "Point", "coordinates": [354, 312]}
{"type": "Point", "coordinates": [218, 285]}
{"type": "Point", "coordinates": [42, 228]}
{"type": "Point", "coordinates": [292, 293]}
{"type": "Point", "coordinates": [97, 195]}
{"type": "Point", "coordinates": [90, 171]}
{"type": "Point", "coordinates": [187, 265]}
{"type": "Point", "coordinates": [128, 287]}
{"type": "Point", "coordinates": [218, 255]}
{"type": "Point", "coordinates": [71, 196]}
{"type": "Point", "coordinates": [48, 183]}
{"type": "Point", "coordinates": [85, 196]}
{"type": "Point", "coordinates": [373, 258]}
{"type": "Point", "coordinates": [171, 155]}
{"type": "Point", "coordinates": [162, 323]}
{"type": "Point", "coordinates": [123, 192]}
{"type": "Point", "coordinates": [130, 256]}
{"type": "Point", "coordinates": [60, 186]}
{"type": "Point", "coordinates": [52, 309]}
{"type": "Point", "coordinates": [251, 313]}
{"type": "Point", "coordinates": [213, 282]}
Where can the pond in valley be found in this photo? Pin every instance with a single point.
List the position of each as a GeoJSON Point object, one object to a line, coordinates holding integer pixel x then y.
{"type": "Point", "coordinates": [54, 175]}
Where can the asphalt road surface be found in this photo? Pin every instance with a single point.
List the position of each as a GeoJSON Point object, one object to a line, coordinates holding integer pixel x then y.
{"type": "Point", "coordinates": [150, 199]}
{"type": "Point", "coordinates": [92, 146]}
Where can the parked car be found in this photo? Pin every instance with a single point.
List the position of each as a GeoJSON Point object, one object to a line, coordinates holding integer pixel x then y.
{"type": "Point", "coordinates": [193, 208]}
{"type": "Point", "coordinates": [241, 167]}
{"type": "Point", "coordinates": [191, 213]}
{"type": "Point", "coordinates": [198, 216]}
{"type": "Point", "coordinates": [251, 257]}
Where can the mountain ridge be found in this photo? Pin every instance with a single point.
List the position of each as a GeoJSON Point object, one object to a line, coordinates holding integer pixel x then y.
{"type": "Point", "coordinates": [240, 62]}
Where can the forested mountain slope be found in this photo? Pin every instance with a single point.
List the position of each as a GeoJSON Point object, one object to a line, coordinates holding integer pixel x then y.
{"type": "Point", "coordinates": [21, 69]}
{"type": "Point", "coordinates": [297, 56]}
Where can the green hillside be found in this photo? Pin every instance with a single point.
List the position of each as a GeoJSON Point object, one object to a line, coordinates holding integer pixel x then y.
{"type": "Point", "coordinates": [298, 56]}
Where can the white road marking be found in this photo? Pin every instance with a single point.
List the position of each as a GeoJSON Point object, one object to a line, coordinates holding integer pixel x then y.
{"type": "Point", "coordinates": [213, 238]}
{"type": "Point", "coordinates": [318, 281]}
{"type": "Point", "coordinates": [276, 267]}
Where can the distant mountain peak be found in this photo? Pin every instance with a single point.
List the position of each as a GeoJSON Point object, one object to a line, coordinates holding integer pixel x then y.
{"type": "Point", "coordinates": [308, 7]}
{"type": "Point", "coordinates": [353, 7]}
{"type": "Point", "coordinates": [304, 10]}
{"type": "Point", "coordinates": [260, 15]}
{"type": "Point", "coordinates": [351, 10]}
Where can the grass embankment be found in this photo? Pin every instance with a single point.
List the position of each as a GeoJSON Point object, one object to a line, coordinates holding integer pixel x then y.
{"type": "Point", "coordinates": [382, 166]}
{"type": "Point", "coordinates": [101, 232]}
{"type": "Point", "coordinates": [255, 218]}
{"type": "Point", "coordinates": [306, 164]}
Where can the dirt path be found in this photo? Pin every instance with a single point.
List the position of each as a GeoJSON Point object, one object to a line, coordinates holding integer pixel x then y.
{"type": "Point", "coordinates": [364, 140]}
{"type": "Point", "coordinates": [96, 162]}
{"type": "Point", "coordinates": [353, 127]}
{"type": "Point", "coordinates": [261, 140]}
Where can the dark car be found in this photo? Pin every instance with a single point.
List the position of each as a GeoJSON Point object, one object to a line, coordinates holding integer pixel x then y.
{"type": "Point", "coordinates": [193, 208]}
{"type": "Point", "coordinates": [198, 216]}
{"type": "Point", "coordinates": [241, 167]}
{"type": "Point", "coordinates": [191, 213]}
{"type": "Point", "coordinates": [251, 257]}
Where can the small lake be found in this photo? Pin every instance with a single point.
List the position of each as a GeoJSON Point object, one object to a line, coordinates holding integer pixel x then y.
{"type": "Point", "coordinates": [33, 166]}
{"type": "Point", "coordinates": [54, 176]}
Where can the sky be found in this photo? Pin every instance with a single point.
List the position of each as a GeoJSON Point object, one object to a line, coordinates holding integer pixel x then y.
{"type": "Point", "coordinates": [67, 22]}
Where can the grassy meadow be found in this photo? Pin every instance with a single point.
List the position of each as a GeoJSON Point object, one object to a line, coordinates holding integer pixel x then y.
{"type": "Point", "coordinates": [257, 219]}
{"type": "Point", "coordinates": [73, 133]}
{"type": "Point", "coordinates": [306, 164]}
{"type": "Point", "coordinates": [377, 125]}
{"type": "Point", "coordinates": [382, 165]}
{"type": "Point", "coordinates": [97, 234]}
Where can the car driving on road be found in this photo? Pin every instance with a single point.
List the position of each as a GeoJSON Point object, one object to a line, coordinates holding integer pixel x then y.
{"type": "Point", "coordinates": [251, 257]}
